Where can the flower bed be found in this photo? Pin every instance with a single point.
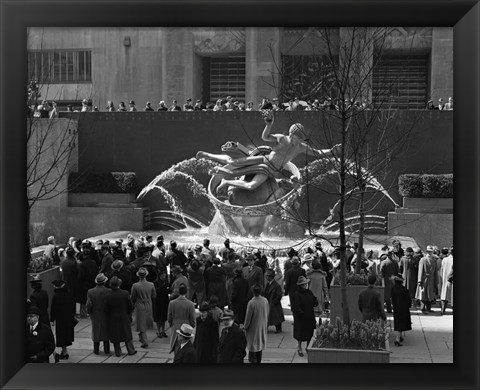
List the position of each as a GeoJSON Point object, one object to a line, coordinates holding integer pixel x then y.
{"type": "Point", "coordinates": [361, 342]}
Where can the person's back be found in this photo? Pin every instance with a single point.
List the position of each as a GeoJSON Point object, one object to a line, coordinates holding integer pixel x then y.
{"type": "Point", "coordinates": [370, 302]}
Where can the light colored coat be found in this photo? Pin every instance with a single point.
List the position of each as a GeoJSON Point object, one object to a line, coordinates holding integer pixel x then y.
{"type": "Point", "coordinates": [256, 324]}
{"type": "Point", "coordinates": [318, 286]}
{"type": "Point", "coordinates": [427, 276]}
{"type": "Point", "coordinates": [447, 287]}
{"type": "Point", "coordinates": [180, 311]}
{"type": "Point", "coordinates": [143, 294]}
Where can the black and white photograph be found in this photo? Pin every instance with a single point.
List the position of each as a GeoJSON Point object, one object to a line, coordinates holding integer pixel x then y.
{"type": "Point", "coordinates": [241, 195]}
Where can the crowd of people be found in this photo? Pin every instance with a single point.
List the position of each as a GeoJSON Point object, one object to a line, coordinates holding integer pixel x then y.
{"type": "Point", "coordinates": [141, 283]}
{"type": "Point", "coordinates": [50, 110]}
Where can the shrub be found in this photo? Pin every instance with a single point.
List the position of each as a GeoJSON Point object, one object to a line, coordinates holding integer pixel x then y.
{"type": "Point", "coordinates": [426, 186]}
{"type": "Point", "coordinates": [354, 279]}
{"type": "Point", "coordinates": [110, 182]}
{"type": "Point", "coordinates": [369, 335]}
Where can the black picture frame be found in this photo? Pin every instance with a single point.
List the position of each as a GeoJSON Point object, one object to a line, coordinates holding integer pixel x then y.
{"type": "Point", "coordinates": [17, 15]}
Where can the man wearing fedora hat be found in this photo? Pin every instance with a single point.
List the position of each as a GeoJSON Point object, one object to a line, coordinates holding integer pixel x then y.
{"type": "Point", "coordinates": [180, 311]}
{"type": "Point", "coordinates": [427, 280]}
{"type": "Point", "coordinates": [143, 295]}
{"type": "Point", "coordinates": [96, 309]}
{"type": "Point", "coordinates": [273, 293]}
{"type": "Point", "coordinates": [240, 296]}
{"type": "Point", "coordinates": [178, 278]}
{"type": "Point", "coordinates": [370, 303]}
{"type": "Point", "coordinates": [256, 320]}
{"type": "Point", "coordinates": [50, 254]}
{"type": "Point", "coordinates": [388, 268]}
{"type": "Point", "coordinates": [303, 303]}
{"type": "Point", "coordinates": [252, 273]}
{"type": "Point", "coordinates": [291, 277]}
{"type": "Point", "coordinates": [117, 269]}
{"type": "Point", "coordinates": [107, 258]}
{"type": "Point", "coordinates": [40, 341]}
{"type": "Point", "coordinates": [232, 343]}
{"type": "Point", "coordinates": [409, 270]}
{"type": "Point", "coordinates": [175, 257]}
{"type": "Point", "coordinates": [87, 271]}
{"type": "Point", "coordinates": [186, 353]}
{"type": "Point", "coordinates": [119, 308]}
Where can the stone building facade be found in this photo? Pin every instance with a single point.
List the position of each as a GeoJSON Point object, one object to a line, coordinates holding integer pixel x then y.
{"type": "Point", "coordinates": [247, 63]}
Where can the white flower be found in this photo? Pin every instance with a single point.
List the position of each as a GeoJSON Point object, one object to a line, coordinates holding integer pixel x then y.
{"type": "Point", "coordinates": [35, 333]}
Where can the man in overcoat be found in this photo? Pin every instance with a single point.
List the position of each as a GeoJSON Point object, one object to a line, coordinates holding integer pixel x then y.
{"type": "Point", "coordinates": [370, 302]}
{"type": "Point", "coordinates": [446, 295]}
{"type": "Point", "coordinates": [388, 268]}
{"type": "Point", "coordinates": [107, 258]}
{"type": "Point", "coordinates": [96, 308]}
{"type": "Point", "coordinates": [240, 296]}
{"type": "Point", "coordinates": [291, 277]}
{"type": "Point", "coordinates": [252, 273]}
{"type": "Point", "coordinates": [87, 271]}
{"type": "Point", "coordinates": [119, 308]}
{"type": "Point", "coordinates": [409, 271]}
{"type": "Point", "coordinates": [39, 298]}
{"type": "Point", "coordinates": [273, 293]}
{"type": "Point", "coordinates": [256, 320]}
{"type": "Point", "coordinates": [427, 280]}
{"type": "Point", "coordinates": [180, 311]}
{"type": "Point", "coordinates": [232, 343]}
{"type": "Point", "coordinates": [217, 283]}
{"type": "Point", "coordinates": [143, 294]}
{"type": "Point", "coordinates": [186, 353]}
{"type": "Point", "coordinates": [206, 336]}
{"type": "Point", "coordinates": [40, 341]}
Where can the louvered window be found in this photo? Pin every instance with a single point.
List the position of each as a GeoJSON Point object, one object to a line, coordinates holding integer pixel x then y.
{"type": "Point", "coordinates": [401, 81]}
{"type": "Point", "coordinates": [60, 66]}
{"type": "Point", "coordinates": [226, 78]}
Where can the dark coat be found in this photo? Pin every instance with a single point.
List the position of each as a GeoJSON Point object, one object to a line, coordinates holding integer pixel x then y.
{"type": "Point", "coordinates": [96, 308]}
{"type": "Point", "coordinates": [186, 355]}
{"type": "Point", "coordinates": [106, 263]}
{"type": "Point", "coordinates": [206, 340]}
{"type": "Point", "coordinates": [70, 274]}
{"type": "Point", "coordinates": [273, 293]}
{"type": "Point", "coordinates": [303, 302]}
{"type": "Point", "coordinates": [125, 277]}
{"type": "Point", "coordinates": [253, 276]}
{"type": "Point", "coordinates": [217, 284]}
{"type": "Point", "coordinates": [160, 306]}
{"type": "Point", "coordinates": [409, 271]}
{"type": "Point", "coordinates": [118, 309]}
{"type": "Point", "coordinates": [291, 278]}
{"type": "Point", "coordinates": [388, 268]}
{"type": "Point", "coordinates": [87, 271]}
{"type": "Point", "coordinates": [176, 257]}
{"type": "Point", "coordinates": [42, 344]}
{"type": "Point", "coordinates": [240, 297]}
{"type": "Point", "coordinates": [401, 302]}
{"type": "Point", "coordinates": [40, 299]}
{"type": "Point", "coordinates": [370, 304]}
{"type": "Point", "coordinates": [62, 312]}
{"type": "Point", "coordinates": [232, 345]}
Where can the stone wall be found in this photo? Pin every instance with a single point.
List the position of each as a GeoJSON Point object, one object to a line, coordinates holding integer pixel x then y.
{"type": "Point", "coordinates": [429, 221]}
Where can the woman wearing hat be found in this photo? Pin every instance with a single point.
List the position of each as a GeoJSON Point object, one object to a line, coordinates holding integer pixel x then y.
{"type": "Point", "coordinates": [302, 304]}
{"type": "Point", "coordinates": [206, 335]}
{"type": "Point", "coordinates": [39, 298]}
{"type": "Point", "coordinates": [40, 341]}
{"type": "Point", "coordinates": [318, 285]}
{"type": "Point", "coordinates": [62, 313]}
{"type": "Point", "coordinates": [401, 302]}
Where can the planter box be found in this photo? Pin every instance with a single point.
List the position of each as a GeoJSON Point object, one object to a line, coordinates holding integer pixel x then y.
{"type": "Point", "coordinates": [99, 199]}
{"type": "Point", "coordinates": [47, 278]}
{"type": "Point", "coordinates": [427, 205]}
{"type": "Point", "coordinates": [352, 298]}
{"type": "Point", "coordinates": [331, 355]}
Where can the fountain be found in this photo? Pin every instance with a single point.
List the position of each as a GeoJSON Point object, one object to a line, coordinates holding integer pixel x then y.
{"type": "Point", "coordinates": [267, 208]}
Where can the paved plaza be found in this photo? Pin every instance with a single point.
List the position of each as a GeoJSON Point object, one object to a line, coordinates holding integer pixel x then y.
{"type": "Point", "coordinates": [429, 341]}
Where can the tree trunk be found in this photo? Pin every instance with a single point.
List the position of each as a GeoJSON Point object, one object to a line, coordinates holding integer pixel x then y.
{"type": "Point", "coordinates": [361, 230]}
{"type": "Point", "coordinates": [341, 223]}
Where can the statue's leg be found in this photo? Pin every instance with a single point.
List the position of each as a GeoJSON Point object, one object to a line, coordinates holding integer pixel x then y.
{"type": "Point", "coordinates": [257, 180]}
{"type": "Point", "coordinates": [220, 158]}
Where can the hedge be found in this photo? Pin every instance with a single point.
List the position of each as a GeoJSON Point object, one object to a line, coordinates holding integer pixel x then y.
{"type": "Point", "coordinates": [109, 182]}
{"type": "Point", "coordinates": [426, 186]}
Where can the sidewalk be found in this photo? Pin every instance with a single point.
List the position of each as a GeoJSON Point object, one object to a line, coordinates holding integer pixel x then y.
{"type": "Point", "coordinates": [429, 341]}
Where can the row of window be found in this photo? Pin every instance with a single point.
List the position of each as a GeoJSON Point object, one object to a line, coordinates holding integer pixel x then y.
{"type": "Point", "coordinates": [403, 78]}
